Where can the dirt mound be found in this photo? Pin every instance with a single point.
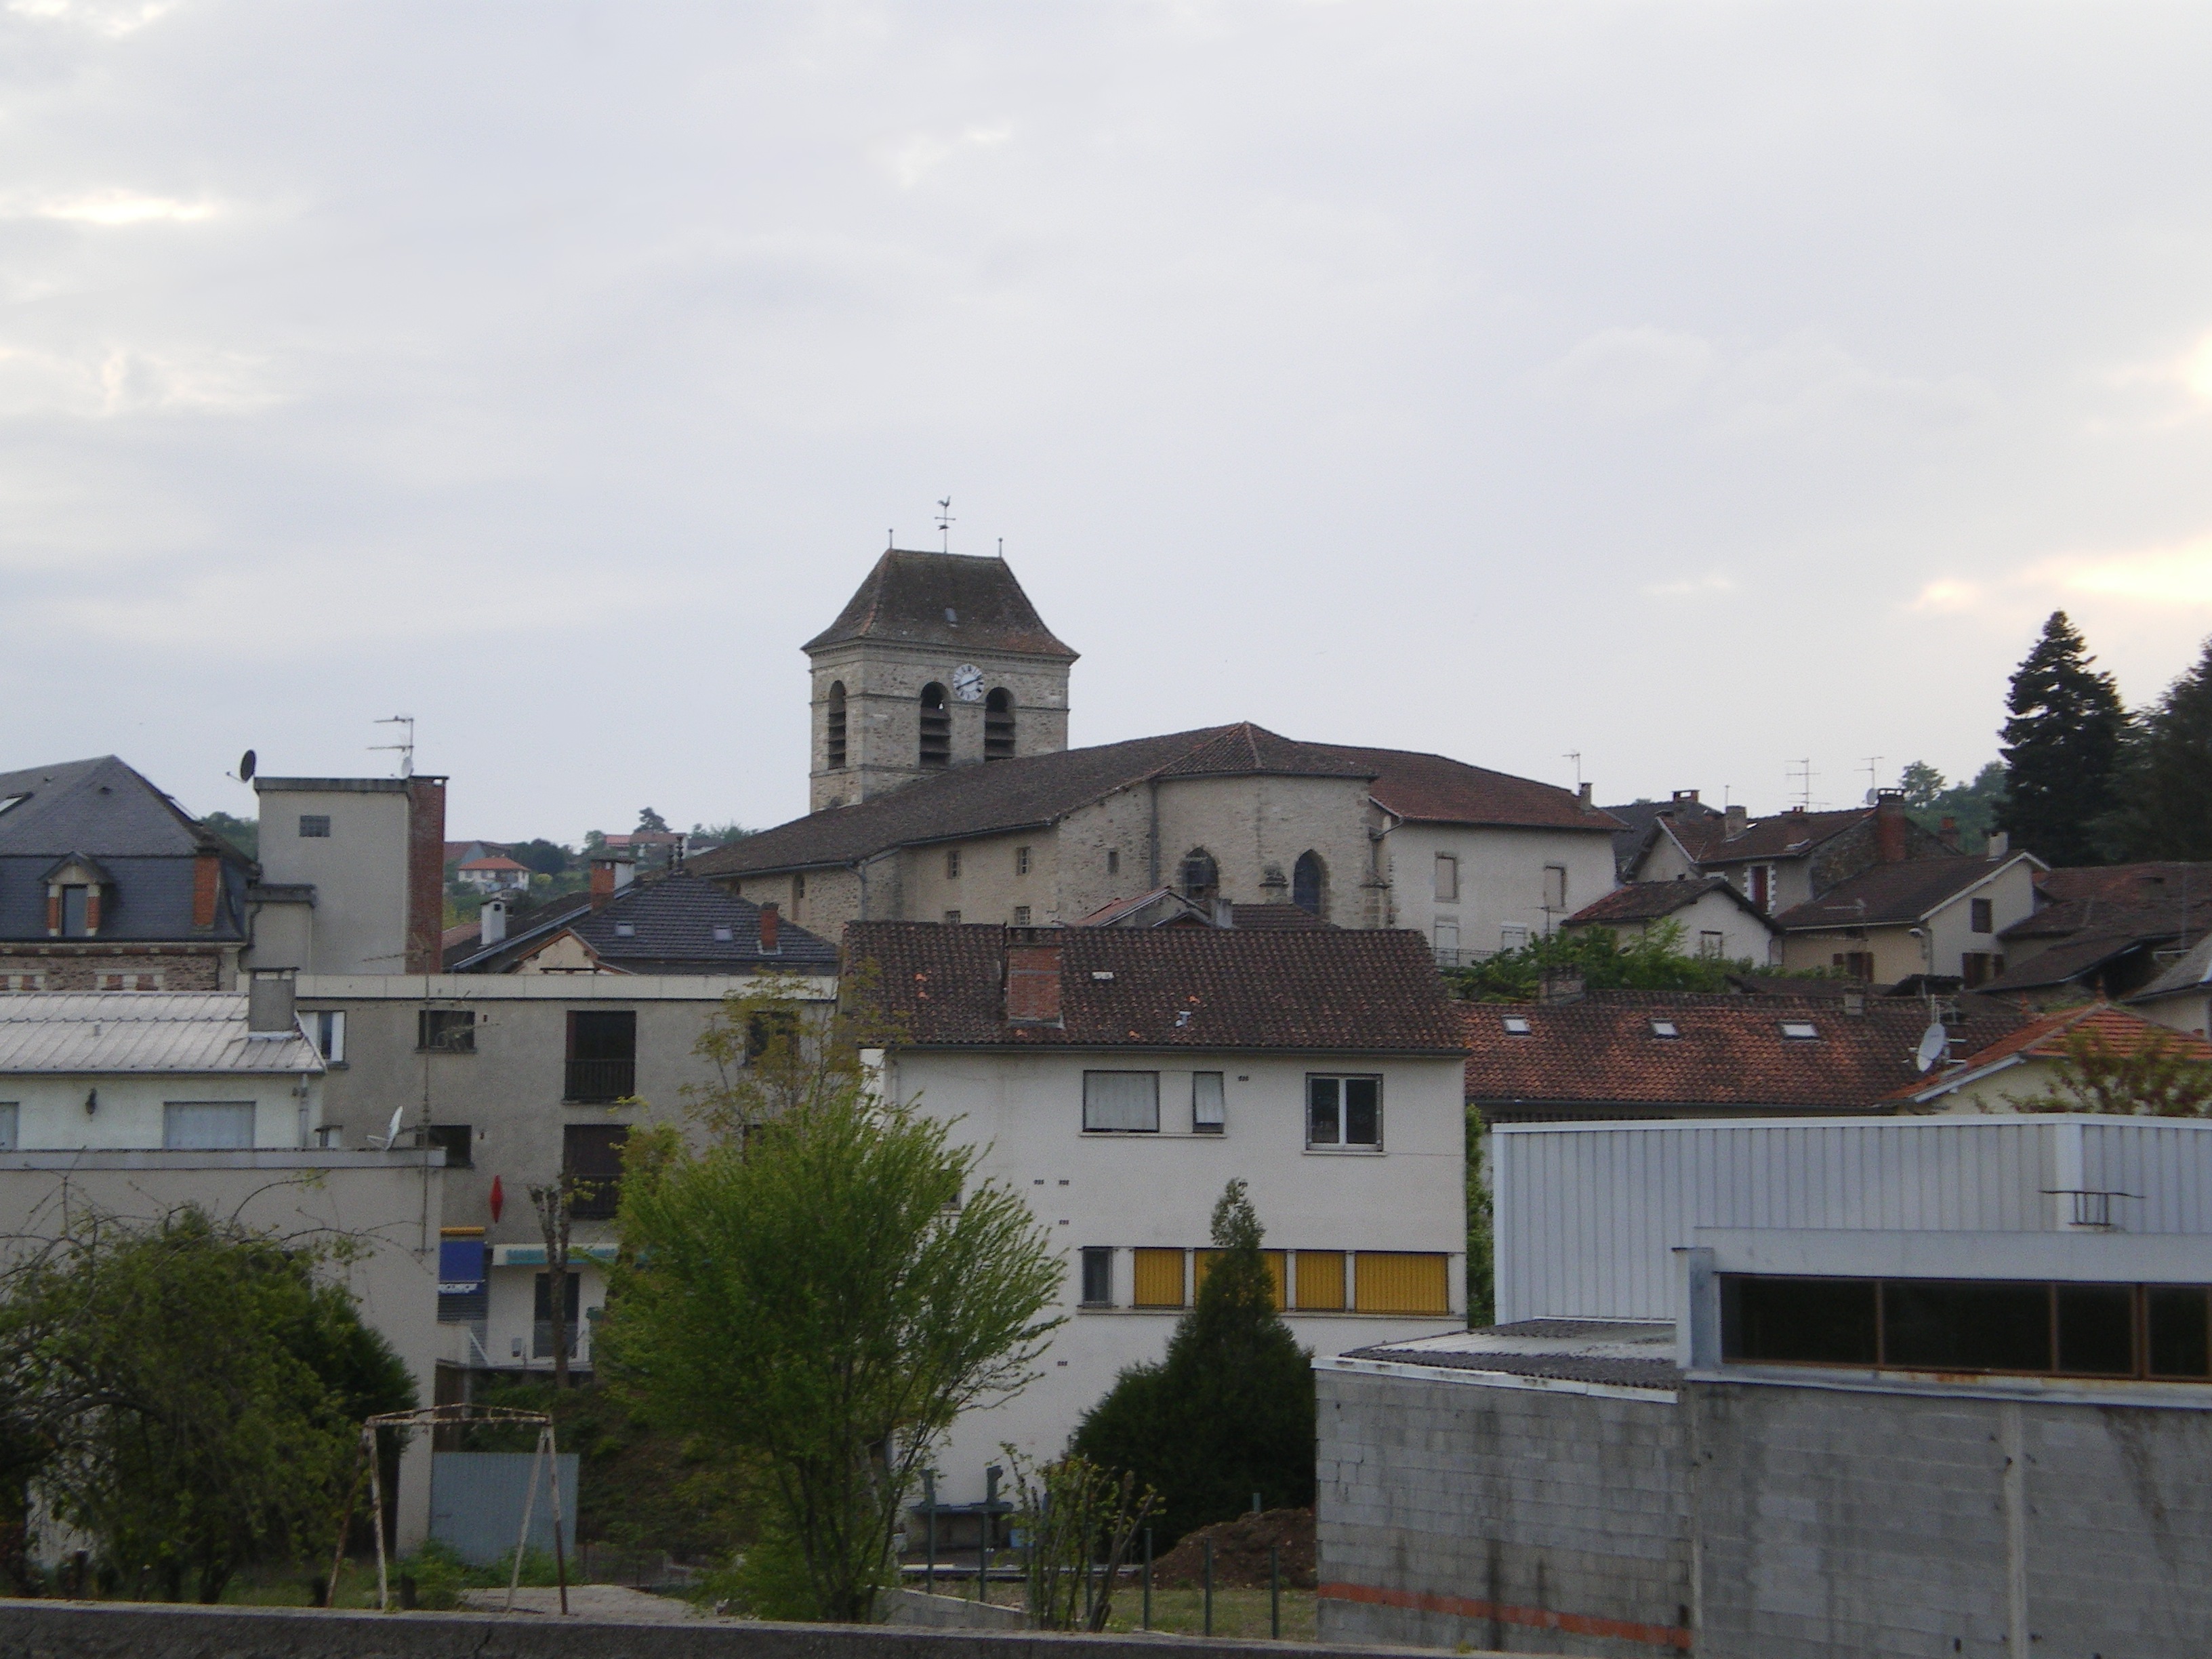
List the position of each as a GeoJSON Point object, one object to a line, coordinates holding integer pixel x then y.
{"type": "Point", "coordinates": [1240, 1552]}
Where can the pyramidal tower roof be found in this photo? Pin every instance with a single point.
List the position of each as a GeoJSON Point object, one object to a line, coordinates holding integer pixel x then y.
{"type": "Point", "coordinates": [953, 600]}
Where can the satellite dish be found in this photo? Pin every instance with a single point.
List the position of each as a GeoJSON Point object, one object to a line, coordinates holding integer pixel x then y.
{"type": "Point", "coordinates": [392, 1129]}
{"type": "Point", "coordinates": [1933, 1042]}
{"type": "Point", "coordinates": [245, 765]}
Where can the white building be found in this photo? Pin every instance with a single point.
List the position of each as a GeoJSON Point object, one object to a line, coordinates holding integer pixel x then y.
{"type": "Point", "coordinates": [133, 1105]}
{"type": "Point", "coordinates": [1120, 1079]}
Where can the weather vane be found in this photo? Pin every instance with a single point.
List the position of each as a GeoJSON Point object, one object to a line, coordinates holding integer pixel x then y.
{"type": "Point", "coordinates": [946, 521]}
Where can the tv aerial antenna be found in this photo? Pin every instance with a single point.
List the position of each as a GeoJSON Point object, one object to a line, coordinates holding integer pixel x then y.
{"type": "Point", "coordinates": [405, 746]}
{"type": "Point", "coordinates": [1575, 756]}
{"type": "Point", "coordinates": [1874, 779]}
{"type": "Point", "coordinates": [946, 521]}
{"type": "Point", "coordinates": [1800, 772]}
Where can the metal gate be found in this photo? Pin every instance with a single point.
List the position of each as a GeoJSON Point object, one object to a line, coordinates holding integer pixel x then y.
{"type": "Point", "coordinates": [476, 1498]}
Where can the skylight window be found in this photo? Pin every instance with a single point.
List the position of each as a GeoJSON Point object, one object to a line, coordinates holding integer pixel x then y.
{"type": "Point", "coordinates": [1515, 1026]}
{"type": "Point", "coordinates": [625, 930]}
{"type": "Point", "coordinates": [722, 934]}
{"type": "Point", "coordinates": [7, 801]}
{"type": "Point", "coordinates": [1799, 1031]}
{"type": "Point", "coordinates": [1665, 1027]}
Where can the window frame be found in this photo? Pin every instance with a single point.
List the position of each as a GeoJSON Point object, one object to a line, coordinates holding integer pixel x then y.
{"type": "Point", "coordinates": [435, 1031]}
{"type": "Point", "coordinates": [1089, 1128]}
{"type": "Point", "coordinates": [314, 826]}
{"type": "Point", "coordinates": [1095, 1273]}
{"type": "Point", "coordinates": [252, 1120]}
{"type": "Point", "coordinates": [1981, 916]}
{"type": "Point", "coordinates": [1218, 1123]}
{"type": "Point", "coordinates": [1342, 1144]}
{"type": "Point", "coordinates": [1447, 878]}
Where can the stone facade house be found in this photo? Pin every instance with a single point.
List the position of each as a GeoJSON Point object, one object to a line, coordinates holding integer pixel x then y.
{"type": "Point", "coordinates": [945, 791]}
{"type": "Point", "coordinates": [1933, 918]}
{"type": "Point", "coordinates": [1780, 861]}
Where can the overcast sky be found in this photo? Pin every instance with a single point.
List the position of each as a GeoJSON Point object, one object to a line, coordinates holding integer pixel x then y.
{"type": "Point", "coordinates": [1698, 388]}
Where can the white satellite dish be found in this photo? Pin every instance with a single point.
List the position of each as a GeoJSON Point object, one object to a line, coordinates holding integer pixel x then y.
{"type": "Point", "coordinates": [1933, 1042]}
{"type": "Point", "coordinates": [392, 1129]}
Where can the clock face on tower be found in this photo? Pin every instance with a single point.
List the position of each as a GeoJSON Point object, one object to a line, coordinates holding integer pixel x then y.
{"type": "Point", "coordinates": [968, 683]}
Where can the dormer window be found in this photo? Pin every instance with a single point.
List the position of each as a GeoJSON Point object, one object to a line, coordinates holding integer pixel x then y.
{"type": "Point", "coordinates": [78, 894]}
{"type": "Point", "coordinates": [77, 909]}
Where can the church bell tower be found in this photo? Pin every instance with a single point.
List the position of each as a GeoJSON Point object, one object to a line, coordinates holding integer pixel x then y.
{"type": "Point", "coordinates": [938, 661]}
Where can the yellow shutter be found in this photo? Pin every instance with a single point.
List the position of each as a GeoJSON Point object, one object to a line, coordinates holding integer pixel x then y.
{"type": "Point", "coordinates": [1158, 1279]}
{"type": "Point", "coordinates": [1278, 1268]}
{"type": "Point", "coordinates": [1397, 1282]}
{"type": "Point", "coordinates": [1321, 1281]}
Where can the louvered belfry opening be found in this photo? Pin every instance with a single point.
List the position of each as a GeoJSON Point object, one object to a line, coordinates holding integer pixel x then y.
{"type": "Point", "coordinates": [999, 725]}
{"type": "Point", "coordinates": [834, 744]}
{"type": "Point", "coordinates": [936, 726]}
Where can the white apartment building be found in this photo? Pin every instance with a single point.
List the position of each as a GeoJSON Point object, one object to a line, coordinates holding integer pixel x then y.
{"type": "Point", "coordinates": [1121, 1078]}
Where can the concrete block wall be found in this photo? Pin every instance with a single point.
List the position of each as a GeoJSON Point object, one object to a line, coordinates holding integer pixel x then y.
{"type": "Point", "coordinates": [1519, 1519]}
{"type": "Point", "coordinates": [1834, 1523]}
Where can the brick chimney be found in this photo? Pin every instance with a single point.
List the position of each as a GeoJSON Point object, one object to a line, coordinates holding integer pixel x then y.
{"type": "Point", "coordinates": [1686, 798]}
{"type": "Point", "coordinates": [1948, 834]}
{"type": "Point", "coordinates": [1889, 825]}
{"type": "Point", "coordinates": [1033, 983]}
{"type": "Point", "coordinates": [610, 873]}
{"type": "Point", "coordinates": [207, 886]}
{"type": "Point", "coordinates": [771, 919]}
{"type": "Point", "coordinates": [426, 873]}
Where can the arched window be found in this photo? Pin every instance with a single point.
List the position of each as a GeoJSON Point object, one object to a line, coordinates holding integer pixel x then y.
{"type": "Point", "coordinates": [1201, 877]}
{"type": "Point", "coordinates": [1309, 882]}
{"type": "Point", "coordinates": [834, 745]}
{"type": "Point", "coordinates": [936, 726]}
{"type": "Point", "coordinates": [999, 725]}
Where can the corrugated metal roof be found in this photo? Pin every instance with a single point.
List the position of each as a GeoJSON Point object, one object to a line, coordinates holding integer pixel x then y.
{"type": "Point", "coordinates": [141, 1031]}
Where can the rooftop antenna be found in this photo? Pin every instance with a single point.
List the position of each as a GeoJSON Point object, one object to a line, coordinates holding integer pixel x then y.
{"type": "Point", "coordinates": [1575, 756]}
{"type": "Point", "coordinates": [946, 521]}
{"type": "Point", "coordinates": [891, 538]}
{"type": "Point", "coordinates": [1803, 771]}
{"type": "Point", "coordinates": [1874, 782]}
{"type": "Point", "coordinates": [405, 745]}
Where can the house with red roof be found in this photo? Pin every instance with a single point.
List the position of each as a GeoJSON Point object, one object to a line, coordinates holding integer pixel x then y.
{"type": "Point", "coordinates": [495, 872]}
{"type": "Point", "coordinates": [2023, 1064]}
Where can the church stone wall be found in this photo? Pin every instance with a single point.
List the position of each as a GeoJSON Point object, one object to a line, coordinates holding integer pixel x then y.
{"type": "Point", "coordinates": [1248, 824]}
{"type": "Point", "coordinates": [883, 713]}
{"type": "Point", "coordinates": [991, 885]}
{"type": "Point", "coordinates": [1120, 824]}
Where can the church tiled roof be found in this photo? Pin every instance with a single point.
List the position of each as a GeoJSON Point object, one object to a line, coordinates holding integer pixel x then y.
{"type": "Point", "coordinates": [947, 599]}
{"type": "Point", "coordinates": [996, 797]}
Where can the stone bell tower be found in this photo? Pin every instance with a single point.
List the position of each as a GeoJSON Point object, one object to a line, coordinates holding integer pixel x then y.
{"type": "Point", "coordinates": [938, 661]}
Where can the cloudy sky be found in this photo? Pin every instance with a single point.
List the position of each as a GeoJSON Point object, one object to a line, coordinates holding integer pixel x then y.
{"type": "Point", "coordinates": [1698, 389]}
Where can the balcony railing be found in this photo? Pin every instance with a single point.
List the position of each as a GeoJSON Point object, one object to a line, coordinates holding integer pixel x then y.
{"type": "Point", "coordinates": [594, 1198]}
{"type": "Point", "coordinates": [599, 1081]}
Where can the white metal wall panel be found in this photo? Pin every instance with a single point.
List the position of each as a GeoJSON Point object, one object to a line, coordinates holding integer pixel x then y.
{"type": "Point", "coordinates": [1588, 1215]}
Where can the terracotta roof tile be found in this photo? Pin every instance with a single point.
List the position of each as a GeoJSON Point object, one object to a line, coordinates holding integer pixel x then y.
{"type": "Point", "coordinates": [1327, 989]}
{"type": "Point", "coordinates": [1729, 1053]}
{"type": "Point", "coordinates": [2045, 1037]}
{"type": "Point", "coordinates": [1437, 789]}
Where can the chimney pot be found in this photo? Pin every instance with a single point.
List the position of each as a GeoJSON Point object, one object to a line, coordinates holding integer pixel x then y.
{"type": "Point", "coordinates": [1889, 825]}
{"type": "Point", "coordinates": [2000, 843]}
{"type": "Point", "coordinates": [771, 919]}
{"type": "Point", "coordinates": [1948, 834]}
{"type": "Point", "coordinates": [1686, 798]}
{"type": "Point", "coordinates": [1583, 793]}
{"type": "Point", "coordinates": [1033, 982]}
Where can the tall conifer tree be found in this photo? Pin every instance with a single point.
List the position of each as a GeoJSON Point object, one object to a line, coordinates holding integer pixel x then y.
{"type": "Point", "coordinates": [2165, 780]}
{"type": "Point", "coordinates": [2060, 748]}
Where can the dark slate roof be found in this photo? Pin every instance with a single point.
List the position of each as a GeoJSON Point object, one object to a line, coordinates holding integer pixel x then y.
{"type": "Point", "coordinates": [995, 797]}
{"type": "Point", "coordinates": [98, 807]}
{"type": "Point", "coordinates": [2079, 957]}
{"type": "Point", "coordinates": [2164, 882]}
{"type": "Point", "coordinates": [1891, 893]}
{"type": "Point", "coordinates": [1786, 834]}
{"type": "Point", "coordinates": [1651, 901]}
{"type": "Point", "coordinates": [671, 923]}
{"type": "Point", "coordinates": [1557, 1367]}
{"type": "Point", "coordinates": [2191, 973]}
{"type": "Point", "coordinates": [951, 599]}
{"type": "Point", "coordinates": [1331, 989]}
{"type": "Point", "coordinates": [144, 842]}
{"type": "Point", "coordinates": [1730, 1052]}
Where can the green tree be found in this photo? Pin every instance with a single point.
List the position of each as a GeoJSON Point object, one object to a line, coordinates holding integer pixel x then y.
{"type": "Point", "coordinates": [818, 1296]}
{"type": "Point", "coordinates": [2061, 746]}
{"type": "Point", "coordinates": [2164, 788]}
{"type": "Point", "coordinates": [545, 857]}
{"type": "Point", "coordinates": [650, 822]}
{"type": "Point", "coordinates": [1929, 798]}
{"type": "Point", "coordinates": [195, 1391]}
{"type": "Point", "coordinates": [1650, 961]}
{"type": "Point", "coordinates": [717, 835]}
{"type": "Point", "coordinates": [1481, 1240]}
{"type": "Point", "coordinates": [1228, 1410]}
{"type": "Point", "coordinates": [244, 834]}
{"type": "Point", "coordinates": [2157, 1077]}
